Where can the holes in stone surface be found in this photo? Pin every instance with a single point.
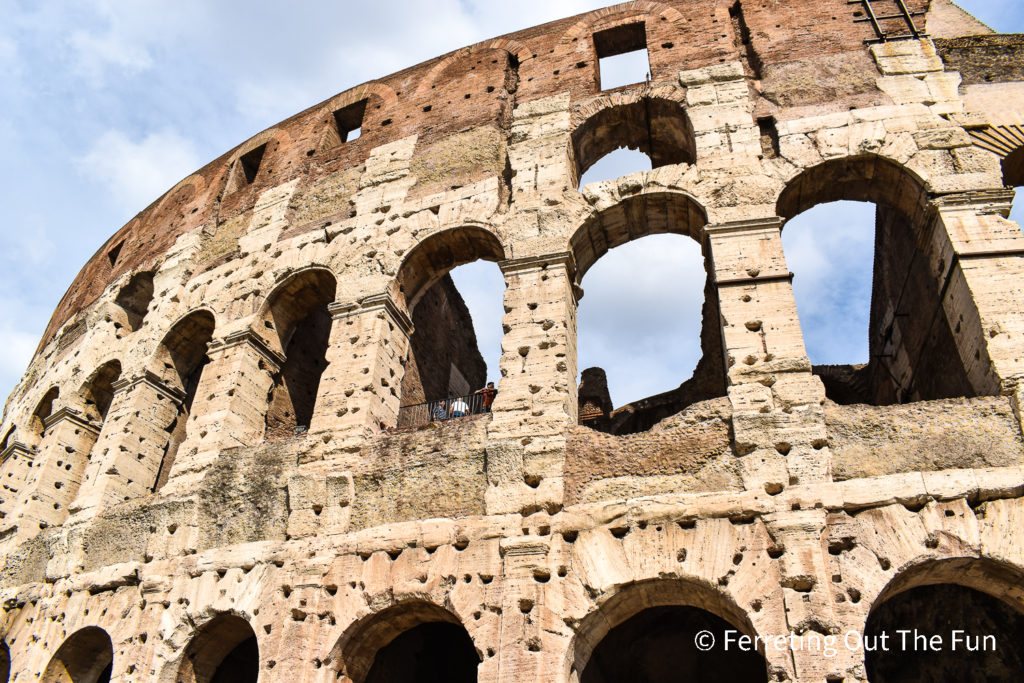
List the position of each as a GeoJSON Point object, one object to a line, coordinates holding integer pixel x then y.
{"type": "Point", "coordinates": [638, 648]}
{"type": "Point", "coordinates": [622, 56]}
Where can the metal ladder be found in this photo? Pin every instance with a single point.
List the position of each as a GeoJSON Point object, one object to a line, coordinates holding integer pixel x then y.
{"type": "Point", "coordinates": [902, 12]}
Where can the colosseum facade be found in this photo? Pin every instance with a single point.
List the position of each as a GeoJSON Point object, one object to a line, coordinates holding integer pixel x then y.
{"type": "Point", "coordinates": [214, 470]}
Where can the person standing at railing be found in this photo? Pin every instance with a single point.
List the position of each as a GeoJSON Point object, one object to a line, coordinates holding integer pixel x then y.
{"type": "Point", "coordinates": [459, 408]}
{"type": "Point", "coordinates": [487, 395]}
{"type": "Point", "coordinates": [440, 412]}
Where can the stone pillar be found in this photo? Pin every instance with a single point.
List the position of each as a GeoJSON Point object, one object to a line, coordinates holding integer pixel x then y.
{"type": "Point", "coordinates": [522, 657]}
{"type": "Point", "coordinates": [360, 389]}
{"type": "Point", "coordinates": [777, 403]}
{"type": "Point", "coordinates": [15, 463]}
{"type": "Point", "coordinates": [129, 452]}
{"type": "Point", "coordinates": [536, 401]}
{"type": "Point", "coordinates": [230, 406]}
{"type": "Point", "coordinates": [978, 259]}
{"type": "Point", "coordinates": [53, 481]}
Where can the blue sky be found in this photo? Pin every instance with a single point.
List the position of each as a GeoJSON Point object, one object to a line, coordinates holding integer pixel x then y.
{"type": "Point", "coordinates": [108, 104]}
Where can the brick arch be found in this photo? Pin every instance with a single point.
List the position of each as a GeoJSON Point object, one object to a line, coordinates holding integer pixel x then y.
{"type": "Point", "coordinates": [617, 15]}
{"type": "Point", "coordinates": [86, 656]}
{"type": "Point", "coordinates": [432, 258]}
{"type": "Point", "coordinates": [655, 123]}
{"type": "Point", "coordinates": [646, 213]}
{"type": "Point", "coordinates": [864, 178]}
{"type": "Point", "coordinates": [512, 48]}
{"type": "Point", "coordinates": [631, 600]}
{"type": "Point", "coordinates": [356, 649]}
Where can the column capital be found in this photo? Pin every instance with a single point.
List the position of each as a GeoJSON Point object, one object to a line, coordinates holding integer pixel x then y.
{"type": "Point", "coordinates": [766, 223]}
{"type": "Point", "coordinates": [75, 417]}
{"type": "Point", "coordinates": [152, 380]}
{"type": "Point", "coordinates": [527, 263]}
{"type": "Point", "coordinates": [993, 201]}
{"type": "Point", "coordinates": [381, 301]}
{"type": "Point", "coordinates": [248, 336]}
{"type": "Point", "coordinates": [16, 448]}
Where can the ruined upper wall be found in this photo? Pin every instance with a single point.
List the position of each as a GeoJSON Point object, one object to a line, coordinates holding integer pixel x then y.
{"type": "Point", "coordinates": [801, 54]}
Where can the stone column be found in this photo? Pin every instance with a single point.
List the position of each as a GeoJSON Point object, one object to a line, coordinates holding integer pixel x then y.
{"type": "Point", "coordinates": [16, 461]}
{"type": "Point", "coordinates": [537, 400]}
{"type": "Point", "coordinates": [978, 258]}
{"type": "Point", "coordinates": [129, 452]}
{"type": "Point", "coordinates": [230, 407]}
{"type": "Point", "coordinates": [360, 389]}
{"type": "Point", "coordinates": [778, 419]}
{"type": "Point", "coordinates": [53, 481]}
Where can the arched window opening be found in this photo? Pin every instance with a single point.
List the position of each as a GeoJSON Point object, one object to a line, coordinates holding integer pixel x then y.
{"type": "Point", "coordinates": [37, 425]}
{"type": "Point", "coordinates": [655, 127]}
{"type": "Point", "coordinates": [658, 646]}
{"type": "Point", "coordinates": [412, 643]}
{"type": "Point", "coordinates": [616, 164]}
{"type": "Point", "coordinates": [225, 650]}
{"type": "Point", "coordinates": [298, 315]}
{"type": "Point", "coordinates": [911, 353]}
{"type": "Point", "coordinates": [1013, 176]}
{"type": "Point", "coordinates": [98, 392]}
{"type": "Point", "coordinates": [183, 354]}
{"type": "Point", "coordinates": [455, 301]}
{"type": "Point", "coordinates": [85, 657]}
{"type": "Point", "coordinates": [135, 297]}
{"type": "Point", "coordinates": [980, 636]}
{"type": "Point", "coordinates": [640, 318]}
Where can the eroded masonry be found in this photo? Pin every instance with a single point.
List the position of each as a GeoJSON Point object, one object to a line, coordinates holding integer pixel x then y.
{"type": "Point", "coordinates": [213, 470]}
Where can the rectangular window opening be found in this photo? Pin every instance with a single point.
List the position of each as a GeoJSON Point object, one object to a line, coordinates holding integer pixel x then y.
{"type": "Point", "coordinates": [250, 163]}
{"type": "Point", "coordinates": [622, 56]}
{"type": "Point", "coordinates": [349, 121]}
{"type": "Point", "coordinates": [114, 253]}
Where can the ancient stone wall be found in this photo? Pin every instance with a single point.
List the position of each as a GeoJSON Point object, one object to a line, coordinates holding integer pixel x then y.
{"type": "Point", "coordinates": [203, 475]}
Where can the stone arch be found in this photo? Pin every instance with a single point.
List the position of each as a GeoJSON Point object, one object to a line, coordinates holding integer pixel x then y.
{"type": "Point", "coordinates": [630, 219]}
{"type": "Point", "coordinates": [135, 297]}
{"type": "Point", "coordinates": [182, 357]}
{"type": "Point", "coordinates": [391, 646]}
{"type": "Point", "coordinates": [444, 358]}
{"type": "Point", "coordinates": [435, 256]}
{"type": "Point", "coordinates": [913, 353]}
{"type": "Point", "coordinates": [223, 650]}
{"type": "Point", "coordinates": [652, 123]}
{"type": "Point", "coordinates": [981, 597]}
{"type": "Point", "coordinates": [87, 656]}
{"type": "Point", "coordinates": [862, 178]}
{"type": "Point", "coordinates": [37, 423]}
{"type": "Point", "coordinates": [643, 613]}
{"type": "Point", "coordinates": [98, 391]}
{"type": "Point", "coordinates": [296, 323]}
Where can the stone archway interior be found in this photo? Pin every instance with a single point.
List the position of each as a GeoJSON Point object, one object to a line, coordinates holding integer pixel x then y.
{"type": "Point", "coordinates": [435, 652]}
{"type": "Point", "coordinates": [658, 646]}
{"type": "Point", "coordinates": [943, 610]}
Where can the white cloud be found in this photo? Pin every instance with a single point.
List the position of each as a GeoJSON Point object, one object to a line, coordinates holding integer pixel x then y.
{"type": "Point", "coordinates": [136, 173]}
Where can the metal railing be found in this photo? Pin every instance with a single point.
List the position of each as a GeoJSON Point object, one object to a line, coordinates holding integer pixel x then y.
{"type": "Point", "coordinates": [441, 410]}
